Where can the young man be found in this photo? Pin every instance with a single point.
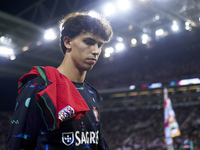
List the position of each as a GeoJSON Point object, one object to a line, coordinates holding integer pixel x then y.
{"type": "Point", "coordinates": [56, 108]}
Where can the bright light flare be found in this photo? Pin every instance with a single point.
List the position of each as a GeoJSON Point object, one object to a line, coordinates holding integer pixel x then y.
{"type": "Point", "coordinates": [188, 26]}
{"type": "Point", "coordinates": [144, 41]}
{"type": "Point", "coordinates": [145, 38]}
{"type": "Point", "coordinates": [93, 14]}
{"type": "Point", "coordinates": [130, 27]}
{"type": "Point", "coordinates": [119, 47]}
{"type": "Point", "coordinates": [131, 87]}
{"type": "Point", "coordinates": [25, 48]}
{"type": "Point", "coordinates": [133, 41]}
{"type": "Point", "coordinates": [123, 4]}
{"type": "Point", "coordinates": [159, 32]}
{"type": "Point", "coordinates": [187, 23]}
{"type": "Point", "coordinates": [189, 81]}
{"type": "Point", "coordinates": [109, 9]}
{"type": "Point", "coordinates": [157, 17]}
{"type": "Point", "coordinates": [4, 51]}
{"type": "Point", "coordinates": [13, 57]}
{"type": "Point", "coordinates": [5, 40]}
{"type": "Point", "coordinates": [119, 39]}
{"type": "Point", "coordinates": [106, 55]}
{"type": "Point", "coordinates": [50, 34]}
{"type": "Point", "coordinates": [175, 26]}
{"type": "Point", "coordinates": [109, 50]}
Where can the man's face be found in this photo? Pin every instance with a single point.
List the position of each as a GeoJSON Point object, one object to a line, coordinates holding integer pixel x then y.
{"type": "Point", "coordinates": [85, 50]}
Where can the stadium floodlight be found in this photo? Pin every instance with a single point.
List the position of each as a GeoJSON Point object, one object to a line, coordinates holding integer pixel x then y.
{"type": "Point", "coordinates": [187, 23]}
{"type": "Point", "coordinates": [144, 41]}
{"type": "Point", "coordinates": [25, 48]}
{"type": "Point", "coordinates": [123, 4]}
{"type": "Point", "coordinates": [93, 13]}
{"type": "Point", "coordinates": [189, 81]}
{"type": "Point", "coordinates": [145, 38]}
{"type": "Point", "coordinates": [174, 22]}
{"type": "Point", "coordinates": [13, 57]}
{"type": "Point", "coordinates": [155, 85]}
{"type": "Point", "coordinates": [188, 26]}
{"type": "Point", "coordinates": [109, 9]}
{"type": "Point", "coordinates": [144, 30]}
{"type": "Point", "coordinates": [157, 17]}
{"type": "Point", "coordinates": [119, 39]}
{"type": "Point", "coordinates": [109, 50]}
{"type": "Point", "coordinates": [5, 40]}
{"type": "Point", "coordinates": [131, 87]}
{"type": "Point", "coordinates": [5, 52]}
{"type": "Point", "coordinates": [175, 26]}
{"type": "Point", "coordinates": [119, 47]}
{"type": "Point", "coordinates": [106, 55]}
{"type": "Point", "coordinates": [130, 27]}
{"type": "Point", "coordinates": [50, 34]}
{"type": "Point", "coordinates": [133, 41]}
{"type": "Point", "coordinates": [159, 32]}
{"type": "Point", "coordinates": [143, 1]}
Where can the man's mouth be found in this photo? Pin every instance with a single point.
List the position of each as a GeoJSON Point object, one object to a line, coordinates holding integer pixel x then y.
{"type": "Point", "coordinates": [92, 60]}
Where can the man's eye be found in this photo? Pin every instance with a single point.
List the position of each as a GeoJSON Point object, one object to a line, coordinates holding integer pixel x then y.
{"type": "Point", "coordinates": [88, 43]}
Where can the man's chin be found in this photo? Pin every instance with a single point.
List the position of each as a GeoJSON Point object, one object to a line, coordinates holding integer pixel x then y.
{"type": "Point", "coordinates": [87, 68]}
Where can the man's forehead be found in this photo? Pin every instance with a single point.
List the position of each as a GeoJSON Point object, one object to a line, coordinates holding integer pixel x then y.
{"type": "Point", "coordinates": [93, 36]}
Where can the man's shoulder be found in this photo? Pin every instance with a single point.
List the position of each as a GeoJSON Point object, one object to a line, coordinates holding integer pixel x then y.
{"type": "Point", "coordinates": [37, 79]}
{"type": "Point", "coordinates": [36, 75]}
{"type": "Point", "coordinates": [90, 86]}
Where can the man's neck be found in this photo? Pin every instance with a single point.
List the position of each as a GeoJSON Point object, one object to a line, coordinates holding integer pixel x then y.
{"type": "Point", "coordinates": [72, 73]}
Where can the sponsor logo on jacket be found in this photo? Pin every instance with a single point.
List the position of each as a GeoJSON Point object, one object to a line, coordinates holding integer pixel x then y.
{"type": "Point", "coordinates": [79, 138]}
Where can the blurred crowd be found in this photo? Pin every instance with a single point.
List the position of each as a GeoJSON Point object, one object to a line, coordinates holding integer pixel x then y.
{"type": "Point", "coordinates": [149, 74]}
{"type": "Point", "coordinates": [143, 128]}
{"type": "Point", "coordinates": [146, 67]}
{"type": "Point", "coordinates": [5, 119]}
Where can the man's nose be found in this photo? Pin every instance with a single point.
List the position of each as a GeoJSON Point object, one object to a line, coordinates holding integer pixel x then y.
{"type": "Point", "coordinates": [96, 50]}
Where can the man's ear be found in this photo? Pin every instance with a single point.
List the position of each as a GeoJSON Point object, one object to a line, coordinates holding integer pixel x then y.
{"type": "Point", "coordinates": [67, 42]}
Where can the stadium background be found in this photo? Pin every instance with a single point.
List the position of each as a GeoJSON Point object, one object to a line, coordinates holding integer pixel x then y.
{"type": "Point", "coordinates": [133, 113]}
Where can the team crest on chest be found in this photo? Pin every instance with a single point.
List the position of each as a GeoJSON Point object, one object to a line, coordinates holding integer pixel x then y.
{"type": "Point", "coordinates": [68, 138]}
{"type": "Point", "coordinates": [96, 113]}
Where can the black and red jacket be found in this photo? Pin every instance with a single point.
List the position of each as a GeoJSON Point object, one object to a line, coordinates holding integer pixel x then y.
{"type": "Point", "coordinates": [53, 113]}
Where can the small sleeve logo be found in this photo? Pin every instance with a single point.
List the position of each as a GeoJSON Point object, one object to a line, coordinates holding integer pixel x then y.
{"type": "Point", "coordinates": [66, 113]}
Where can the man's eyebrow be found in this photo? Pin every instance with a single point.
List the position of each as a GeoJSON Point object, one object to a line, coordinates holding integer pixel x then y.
{"type": "Point", "coordinates": [92, 39]}
{"type": "Point", "coordinates": [89, 38]}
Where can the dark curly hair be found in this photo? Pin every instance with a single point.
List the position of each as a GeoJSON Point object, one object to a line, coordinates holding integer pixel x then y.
{"type": "Point", "coordinates": [75, 23]}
